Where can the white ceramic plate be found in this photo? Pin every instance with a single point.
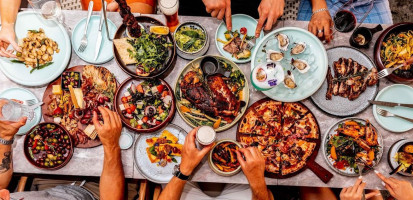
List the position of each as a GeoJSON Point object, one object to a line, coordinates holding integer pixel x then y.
{"type": "Point", "coordinates": [397, 93]}
{"type": "Point", "coordinates": [24, 94]}
{"type": "Point", "coordinates": [315, 54]}
{"type": "Point", "coordinates": [349, 171]}
{"type": "Point", "coordinates": [152, 171]}
{"type": "Point", "coordinates": [19, 73]}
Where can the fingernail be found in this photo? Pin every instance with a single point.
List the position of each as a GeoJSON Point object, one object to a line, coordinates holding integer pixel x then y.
{"type": "Point", "coordinates": [360, 177]}
{"type": "Point", "coordinates": [379, 194]}
{"type": "Point", "coordinates": [375, 171]}
{"type": "Point", "coordinates": [384, 184]}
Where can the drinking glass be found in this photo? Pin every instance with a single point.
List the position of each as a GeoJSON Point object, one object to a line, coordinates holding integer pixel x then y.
{"type": "Point", "coordinates": [13, 111]}
{"type": "Point", "coordinates": [170, 9]}
{"type": "Point", "coordinates": [345, 19]}
{"type": "Point", "coordinates": [50, 10]}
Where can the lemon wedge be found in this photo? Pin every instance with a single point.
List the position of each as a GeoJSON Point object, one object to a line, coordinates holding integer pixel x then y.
{"type": "Point", "coordinates": [160, 30]}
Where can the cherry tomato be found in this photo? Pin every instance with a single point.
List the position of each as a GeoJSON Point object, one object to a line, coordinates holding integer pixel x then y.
{"type": "Point", "coordinates": [243, 30]}
{"type": "Point", "coordinates": [132, 107]}
{"type": "Point", "coordinates": [158, 122]}
{"type": "Point", "coordinates": [58, 111]}
{"type": "Point", "coordinates": [139, 127]}
{"type": "Point", "coordinates": [129, 111]}
{"type": "Point", "coordinates": [160, 88]}
{"type": "Point", "coordinates": [145, 119]}
{"type": "Point", "coordinates": [124, 99]}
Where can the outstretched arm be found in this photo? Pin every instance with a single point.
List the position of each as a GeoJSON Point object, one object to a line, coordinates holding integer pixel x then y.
{"type": "Point", "coordinates": [8, 12]}
{"type": "Point", "coordinates": [7, 131]}
{"type": "Point", "coordinates": [112, 180]}
{"type": "Point", "coordinates": [191, 157]}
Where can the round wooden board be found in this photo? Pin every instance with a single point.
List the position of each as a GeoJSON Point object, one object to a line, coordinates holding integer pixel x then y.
{"type": "Point", "coordinates": [124, 88]}
{"type": "Point", "coordinates": [130, 69]}
{"type": "Point", "coordinates": [309, 160]}
{"type": "Point", "coordinates": [46, 100]}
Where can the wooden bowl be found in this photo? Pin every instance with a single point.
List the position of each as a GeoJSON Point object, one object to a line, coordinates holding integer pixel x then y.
{"type": "Point", "coordinates": [118, 96]}
{"type": "Point", "coordinates": [146, 22]}
{"type": "Point", "coordinates": [396, 28]}
{"type": "Point", "coordinates": [31, 161]}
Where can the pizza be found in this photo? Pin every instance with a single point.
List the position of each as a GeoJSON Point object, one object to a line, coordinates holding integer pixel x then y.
{"type": "Point", "coordinates": [285, 133]}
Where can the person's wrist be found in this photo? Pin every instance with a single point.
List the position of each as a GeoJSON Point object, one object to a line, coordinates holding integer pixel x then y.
{"type": "Point", "coordinates": [7, 26]}
{"type": "Point", "coordinates": [113, 147]}
{"type": "Point", "coordinates": [185, 169]}
{"type": "Point", "coordinates": [6, 136]}
{"type": "Point", "coordinates": [257, 182]}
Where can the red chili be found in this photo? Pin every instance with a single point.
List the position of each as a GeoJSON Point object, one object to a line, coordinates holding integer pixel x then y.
{"type": "Point", "coordinates": [243, 30]}
{"type": "Point", "coordinates": [35, 144]}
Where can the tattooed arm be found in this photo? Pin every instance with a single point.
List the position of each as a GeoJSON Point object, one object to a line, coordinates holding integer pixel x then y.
{"type": "Point", "coordinates": [7, 131]}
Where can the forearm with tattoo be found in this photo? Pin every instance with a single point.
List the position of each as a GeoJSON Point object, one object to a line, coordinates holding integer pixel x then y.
{"type": "Point", "coordinates": [6, 165]}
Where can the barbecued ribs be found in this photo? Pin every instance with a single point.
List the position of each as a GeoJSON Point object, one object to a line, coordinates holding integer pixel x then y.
{"type": "Point", "coordinates": [350, 79]}
{"type": "Point", "coordinates": [214, 97]}
{"type": "Point", "coordinates": [128, 19]}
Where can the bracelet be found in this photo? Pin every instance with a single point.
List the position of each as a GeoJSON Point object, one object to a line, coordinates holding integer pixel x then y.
{"type": "Point", "coordinates": [6, 142]}
{"type": "Point", "coordinates": [319, 10]}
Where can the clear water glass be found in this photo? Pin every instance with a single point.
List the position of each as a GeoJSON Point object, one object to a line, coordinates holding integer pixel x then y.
{"type": "Point", "coordinates": [50, 10]}
{"type": "Point", "coordinates": [13, 111]}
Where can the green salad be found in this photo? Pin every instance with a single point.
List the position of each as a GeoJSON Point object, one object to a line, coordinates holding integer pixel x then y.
{"type": "Point", "coordinates": [190, 39]}
{"type": "Point", "coordinates": [150, 51]}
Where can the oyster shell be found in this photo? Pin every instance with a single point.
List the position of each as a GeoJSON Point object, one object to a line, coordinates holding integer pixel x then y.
{"type": "Point", "coordinates": [289, 80]}
{"type": "Point", "coordinates": [301, 65]}
{"type": "Point", "coordinates": [274, 56]}
{"type": "Point", "coordinates": [283, 41]}
{"type": "Point", "coordinates": [299, 47]}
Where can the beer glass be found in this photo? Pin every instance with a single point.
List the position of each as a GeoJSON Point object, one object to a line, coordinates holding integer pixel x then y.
{"type": "Point", "coordinates": [170, 9]}
{"type": "Point", "coordinates": [13, 111]}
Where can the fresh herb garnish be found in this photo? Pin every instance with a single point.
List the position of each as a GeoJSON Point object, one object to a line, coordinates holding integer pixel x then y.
{"type": "Point", "coordinates": [17, 61]}
{"type": "Point", "coordinates": [38, 67]}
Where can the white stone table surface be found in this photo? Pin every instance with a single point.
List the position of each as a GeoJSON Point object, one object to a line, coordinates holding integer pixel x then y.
{"type": "Point", "coordinates": [88, 162]}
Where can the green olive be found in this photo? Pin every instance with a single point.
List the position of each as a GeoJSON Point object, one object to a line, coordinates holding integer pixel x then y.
{"type": "Point", "coordinates": [49, 139]}
{"type": "Point", "coordinates": [66, 137]}
{"type": "Point", "coordinates": [46, 164]}
{"type": "Point", "coordinates": [72, 73]}
{"type": "Point", "coordinates": [48, 126]}
{"type": "Point", "coordinates": [18, 54]}
{"type": "Point", "coordinates": [32, 135]}
{"type": "Point", "coordinates": [53, 126]}
{"type": "Point", "coordinates": [76, 78]}
{"type": "Point", "coordinates": [38, 148]}
{"type": "Point", "coordinates": [59, 155]}
{"type": "Point", "coordinates": [54, 140]}
{"type": "Point", "coordinates": [59, 162]}
{"type": "Point", "coordinates": [51, 164]}
{"type": "Point", "coordinates": [47, 159]}
{"type": "Point", "coordinates": [42, 148]}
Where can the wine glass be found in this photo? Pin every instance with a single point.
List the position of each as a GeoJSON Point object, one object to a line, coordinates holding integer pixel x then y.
{"type": "Point", "coordinates": [345, 20]}
{"type": "Point", "coordinates": [50, 10]}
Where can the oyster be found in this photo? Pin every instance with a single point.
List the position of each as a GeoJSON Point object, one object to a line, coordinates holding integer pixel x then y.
{"type": "Point", "coordinates": [301, 65]}
{"type": "Point", "coordinates": [289, 80]}
{"type": "Point", "coordinates": [283, 41]}
{"type": "Point", "coordinates": [298, 48]}
{"type": "Point", "coordinates": [274, 56]}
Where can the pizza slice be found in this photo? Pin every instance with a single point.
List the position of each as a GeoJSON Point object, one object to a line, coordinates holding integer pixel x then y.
{"type": "Point", "coordinates": [294, 110]}
{"type": "Point", "coordinates": [253, 124]}
{"type": "Point", "coordinates": [303, 149]}
{"type": "Point", "coordinates": [307, 127]}
{"type": "Point", "coordinates": [271, 112]}
{"type": "Point", "coordinates": [273, 162]}
{"type": "Point", "coordinates": [257, 140]}
{"type": "Point", "coordinates": [288, 168]}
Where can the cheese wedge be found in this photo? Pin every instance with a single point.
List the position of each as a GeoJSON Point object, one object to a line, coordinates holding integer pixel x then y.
{"type": "Point", "coordinates": [169, 136]}
{"type": "Point", "coordinates": [57, 90]}
{"type": "Point", "coordinates": [79, 97]}
{"type": "Point", "coordinates": [73, 97]}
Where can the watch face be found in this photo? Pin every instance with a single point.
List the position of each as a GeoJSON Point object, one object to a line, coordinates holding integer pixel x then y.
{"type": "Point", "coordinates": [176, 169]}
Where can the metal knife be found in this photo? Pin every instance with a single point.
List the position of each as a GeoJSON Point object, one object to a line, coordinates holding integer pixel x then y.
{"type": "Point", "coordinates": [36, 105]}
{"type": "Point", "coordinates": [99, 39]}
{"type": "Point", "coordinates": [390, 104]}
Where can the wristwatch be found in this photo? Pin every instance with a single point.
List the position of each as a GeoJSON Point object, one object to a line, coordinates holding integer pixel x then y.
{"type": "Point", "coordinates": [177, 172]}
{"type": "Point", "coordinates": [6, 142]}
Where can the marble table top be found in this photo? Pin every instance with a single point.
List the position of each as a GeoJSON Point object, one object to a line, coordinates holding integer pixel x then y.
{"type": "Point", "coordinates": [88, 162]}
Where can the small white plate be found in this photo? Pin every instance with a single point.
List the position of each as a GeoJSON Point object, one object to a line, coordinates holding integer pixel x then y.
{"type": "Point", "coordinates": [152, 171]}
{"type": "Point", "coordinates": [23, 94]}
{"type": "Point", "coordinates": [392, 152]}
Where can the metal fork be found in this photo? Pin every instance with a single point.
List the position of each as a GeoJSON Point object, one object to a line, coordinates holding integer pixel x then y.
{"type": "Point", "coordinates": [360, 166]}
{"type": "Point", "coordinates": [386, 113]}
{"type": "Point", "coordinates": [29, 102]}
{"type": "Point", "coordinates": [385, 72]}
{"type": "Point", "coordinates": [83, 42]}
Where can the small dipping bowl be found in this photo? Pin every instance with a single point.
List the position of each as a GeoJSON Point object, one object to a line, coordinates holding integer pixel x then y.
{"type": "Point", "coordinates": [215, 168]}
{"type": "Point", "coordinates": [200, 52]}
{"type": "Point", "coordinates": [210, 65]}
{"type": "Point", "coordinates": [206, 135]}
{"type": "Point", "coordinates": [367, 33]}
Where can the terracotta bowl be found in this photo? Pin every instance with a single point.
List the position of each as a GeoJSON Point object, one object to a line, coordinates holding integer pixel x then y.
{"type": "Point", "coordinates": [396, 28]}
{"type": "Point", "coordinates": [118, 96]}
{"type": "Point", "coordinates": [29, 158]}
{"type": "Point", "coordinates": [215, 168]}
{"type": "Point", "coordinates": [146, 22]}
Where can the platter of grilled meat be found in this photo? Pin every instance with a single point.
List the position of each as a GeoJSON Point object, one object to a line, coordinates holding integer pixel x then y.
{"type": "Point", "coordinates": [351, 81]}
{"type": "Point", "coordinates": [211, 91]}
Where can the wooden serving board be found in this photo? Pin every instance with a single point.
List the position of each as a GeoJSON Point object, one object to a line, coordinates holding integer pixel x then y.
{"type": "Point", "coordinates": [320, 171]}
{"type": "Point", "coordinates": [46, 99]}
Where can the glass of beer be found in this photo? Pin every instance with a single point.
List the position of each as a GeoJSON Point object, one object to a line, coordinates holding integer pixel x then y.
{"type": "Point", "coordinates": [170, 9]}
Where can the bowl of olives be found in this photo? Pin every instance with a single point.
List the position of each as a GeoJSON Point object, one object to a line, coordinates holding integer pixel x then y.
{"type": "Point", "coordinates": [48, 146]}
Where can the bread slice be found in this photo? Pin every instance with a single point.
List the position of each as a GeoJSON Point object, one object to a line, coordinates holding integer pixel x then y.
{"type": "Point", "coordinates": [122, 46]}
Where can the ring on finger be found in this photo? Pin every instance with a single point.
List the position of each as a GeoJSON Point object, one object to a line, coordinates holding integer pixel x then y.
{"type": "Point", "coordinates": [320, 31]}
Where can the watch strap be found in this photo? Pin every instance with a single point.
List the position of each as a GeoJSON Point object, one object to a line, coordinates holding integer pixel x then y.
{"type": "Point", "coordinates": [6, 142]}
{"type": "Point", "coordinates": [178, 174]}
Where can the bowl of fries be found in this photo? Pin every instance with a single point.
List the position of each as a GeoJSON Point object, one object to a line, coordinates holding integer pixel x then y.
{"type": "Point", "coordinates": [223, 158]}
{"type": "Point", "coordinates": [394, 47]}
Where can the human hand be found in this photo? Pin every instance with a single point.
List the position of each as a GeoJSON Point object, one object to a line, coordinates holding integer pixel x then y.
{"type": "Point", "coordinates": [219, 9]}
{"type": "Point", "coordinates": [320, 25]}
{"type": "Point", "coordinates": [399, 189]}
{"type": "Point", "coordinates": [270, 11]}
{"type": "Point", "coordinates": [253, 165]}
{"type": "Point", "coordinates": [4, 194]}
{"type": "Point", "coordinates": [355, 192]}
{"type": "Point", "coordinates": [191, 156]}
{"type": "Point", "coordinates": [8, 128]}
{"type": "Point", "coordinates": [109, 132]}
{"type": "Point", "coordinates": [7, 37]}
